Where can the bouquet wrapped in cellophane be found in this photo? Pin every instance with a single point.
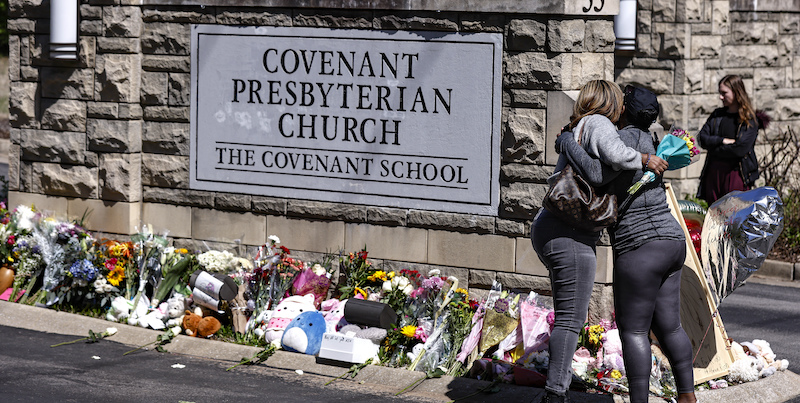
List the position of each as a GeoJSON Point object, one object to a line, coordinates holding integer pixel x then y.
{"type": "Point", "coordinates": [678, 149]}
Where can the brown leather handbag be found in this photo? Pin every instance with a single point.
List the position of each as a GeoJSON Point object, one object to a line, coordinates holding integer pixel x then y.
{"type": "Point", "coordinates": [573, 200]}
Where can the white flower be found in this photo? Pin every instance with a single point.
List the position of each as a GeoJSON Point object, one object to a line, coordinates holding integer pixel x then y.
{"type": "Point", "coordinates": [398, 283]}
{"type": "Point", "coordinates": [274, 239]}
{"type": "Point", "coordinates": [178, 366]}
{"type": "Point", "coordinates": [216, 261]}
{"type": "Point", "coordinates": [110, 331]}
{"type": "Point", "coordinates": [434, 273]}
{"type": "Point", "coordinates": [319, 270]}
{"type": "Point", "coordinates": [25, 217]}
{"type": "Point", "coordinates": [107, 287]}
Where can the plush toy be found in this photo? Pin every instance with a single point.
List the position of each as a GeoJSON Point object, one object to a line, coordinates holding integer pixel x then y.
{"type": "Point", "coordinates": [333, 309]}
{"type": "Point", "coordinates": [304, 333]}
{"type": "Point", "coordinates": [175, 309]}
{"type": "Point", "coordinates": [120, 309]}
{"type": "Point", "coordinates": [155, 319]}
{"type": "Point", "coordinates": [194, 324]}
{"type": "Point", "coordinates": [258, 322]}
{"type": "Point", "coordinates": [743, 370]}
{"type": "Point", "coordinates": [612, 351]}
{"type": "Point", "coordinates": [139, 311]}
{"type": "Point", "coordinates": [287, 310]}
{"type": "Point", "coordinates": [764, 350]}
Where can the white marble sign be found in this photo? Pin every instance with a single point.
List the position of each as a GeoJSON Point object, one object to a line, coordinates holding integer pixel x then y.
{"type": "Point", "coordinates": [385, 118]}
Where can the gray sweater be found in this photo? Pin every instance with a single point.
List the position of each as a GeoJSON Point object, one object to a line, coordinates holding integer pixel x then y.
{"type": "Point", "coordinates": [645, 216]}
{"type": "Point", "coordinates": [601, 142]}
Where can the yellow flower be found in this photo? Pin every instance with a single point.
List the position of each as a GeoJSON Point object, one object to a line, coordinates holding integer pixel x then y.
{"type": "Point", "coordinates": [408, 331]}
{"type": "Point", "coordinates": [115, 276]}
{"type": "Point", "coordinates": [616, 374]}
{"type": "Point", "coordinates": [378, 276]}
{"type": "Point", "coordinates": [182, 251]}
{"type": "Point", "coordinates": [362, 292]}
{"type": "Point", "coordinates": [463, 291]}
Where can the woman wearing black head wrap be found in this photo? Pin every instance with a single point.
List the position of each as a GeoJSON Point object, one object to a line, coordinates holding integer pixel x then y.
{"type": "Point", "coordinates": [649, 251]}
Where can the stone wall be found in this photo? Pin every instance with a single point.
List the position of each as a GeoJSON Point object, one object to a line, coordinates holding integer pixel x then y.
{"type": "Point", "coordinates": [684, 47]}
{"type": "Point", "coordinates": [109, 133]}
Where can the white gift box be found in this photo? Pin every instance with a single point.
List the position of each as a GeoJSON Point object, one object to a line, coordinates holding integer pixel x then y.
{"type": "Point", "coordinates": [340, 347]}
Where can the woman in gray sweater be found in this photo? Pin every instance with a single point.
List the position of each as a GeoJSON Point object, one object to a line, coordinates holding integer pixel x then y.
{"type": "Point", "coordinates": [568, 252]}
{"type": "Point", "coordinates": [649, 252]}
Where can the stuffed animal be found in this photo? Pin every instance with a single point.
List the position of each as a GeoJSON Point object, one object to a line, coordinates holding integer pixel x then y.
{"type": "Point", "coordinates": [258, 323]}
{"type": "Point", "coordinates": [155, 319]}
{"type": "Point", "coordinates": [120, 309]}
{"type": "Point", "coordinates": [743, 370]}
{"type": "Point", "coordinates": [175, 309]}
{"type": "Point", "coordinates": [194, 324]}
{"type": "Point", "coordinates": [612, 351]}
{"type": "Point", "coordinates": [139, 311]}
{"type": "Point", "coordinates": [333, 309]}
{"type": "Point", "coordinates": [287, 310]}
{"type": "Point", "coordinates": [304, 333]}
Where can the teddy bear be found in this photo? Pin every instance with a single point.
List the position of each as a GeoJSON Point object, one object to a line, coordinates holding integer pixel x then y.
{"type": "Point", "coordinates": [304, 333]}
{"type": "Point", "coordinates": [333, 310]}
{"type": "Point", "coordinates": [194, 324]}
{"type": "Point", "coordinates": [120, 309]}
{"type": "Point", "coordinates": [283, 314]}
{"type": "Point", "coordinates": [175, 308]}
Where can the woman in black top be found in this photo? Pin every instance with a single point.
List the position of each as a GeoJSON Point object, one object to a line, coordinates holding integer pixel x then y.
{"type": "Point", "coordinates": [729, 136]}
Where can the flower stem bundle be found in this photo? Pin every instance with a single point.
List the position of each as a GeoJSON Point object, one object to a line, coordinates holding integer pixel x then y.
{"type": "Point", "coordinates": [92, 338]}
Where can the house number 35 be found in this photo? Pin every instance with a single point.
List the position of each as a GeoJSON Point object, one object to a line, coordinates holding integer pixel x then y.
{"type": "Point", "coordinates": [596, 9]}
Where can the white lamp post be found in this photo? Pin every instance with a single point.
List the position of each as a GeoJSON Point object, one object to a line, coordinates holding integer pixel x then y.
{"type": "Point", "coordinates": [625, 26]}
{"type": "Point", "coordinates": [64, 29]}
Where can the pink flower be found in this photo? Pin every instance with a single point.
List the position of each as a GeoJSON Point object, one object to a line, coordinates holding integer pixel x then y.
{"type": "Point", "coordinates": [420, 335]}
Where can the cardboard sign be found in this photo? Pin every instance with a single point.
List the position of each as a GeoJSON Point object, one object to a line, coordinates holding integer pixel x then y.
{"type": "Point", "coordinates": [699, 316]}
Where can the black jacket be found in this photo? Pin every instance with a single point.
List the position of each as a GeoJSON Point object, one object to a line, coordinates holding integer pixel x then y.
{"type": "Point", "coordinates": [741, 152]}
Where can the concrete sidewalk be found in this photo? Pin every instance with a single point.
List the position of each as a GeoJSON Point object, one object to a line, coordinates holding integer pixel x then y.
{"type": "Point", "coordinates": [777, 388]}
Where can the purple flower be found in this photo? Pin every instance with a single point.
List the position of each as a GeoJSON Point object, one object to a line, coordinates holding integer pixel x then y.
{"type": "Point", "coordinates": [501, 306]}
{"type": "Point", "coordinates": [433, 283]}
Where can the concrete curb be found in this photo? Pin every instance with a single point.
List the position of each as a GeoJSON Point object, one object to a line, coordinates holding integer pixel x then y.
{"type": "Point", "coordinates": [779, 270]}
{"type": "Point", "coordinates": [777, 388]}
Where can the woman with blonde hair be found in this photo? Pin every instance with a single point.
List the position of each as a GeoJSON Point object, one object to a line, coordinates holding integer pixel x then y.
{"type": "Point", "coordinates": [568, 252]}
{"type": "Point", "coordinates": [729, 136]}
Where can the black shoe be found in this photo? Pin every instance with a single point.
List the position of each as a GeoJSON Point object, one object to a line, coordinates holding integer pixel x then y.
{"type": "Point", "coordinates": [551, 397]}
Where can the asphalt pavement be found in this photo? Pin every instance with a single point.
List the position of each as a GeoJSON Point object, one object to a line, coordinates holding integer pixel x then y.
{"type": "Point", "coordinates": [29, 364]}
{"type": "Point", "coordinates": [765, 309]}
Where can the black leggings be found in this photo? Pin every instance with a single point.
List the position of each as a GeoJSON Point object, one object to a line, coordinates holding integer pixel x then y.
{"type": "Point", "coordinates": [647, 285]}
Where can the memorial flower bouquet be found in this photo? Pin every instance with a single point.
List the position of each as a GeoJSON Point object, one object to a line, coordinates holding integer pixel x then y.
{"type": "Point", "coordinates": [215, 261]}
{"type": "Point", "coordinates": [354, 273]}
{"type": "Point", "coordinates": [29, 265]}
{"type": "Point", "coordinates": [117, 260]}
{"type": "Point", "coordinates": [677, 148]}
{"type": "Point", "coordinates": [147, 248]}
{"type": "Point", "coordinates": [176, 264]}
{"type": "Point", "coordinates": [65, 248]}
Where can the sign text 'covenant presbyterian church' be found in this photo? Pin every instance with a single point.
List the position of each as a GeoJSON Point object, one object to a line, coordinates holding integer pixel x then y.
{"type": "Point", "coordinates": [385, 118]}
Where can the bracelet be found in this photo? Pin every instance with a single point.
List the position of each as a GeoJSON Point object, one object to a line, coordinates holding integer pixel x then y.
{"type": "Point", "coordinates": [647, 164]}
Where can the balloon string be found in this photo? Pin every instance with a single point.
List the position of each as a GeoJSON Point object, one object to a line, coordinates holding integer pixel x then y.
{"type": "Point", "coordinates": [700, 346]}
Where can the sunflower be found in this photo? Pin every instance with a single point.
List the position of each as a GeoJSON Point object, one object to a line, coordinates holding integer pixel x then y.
{"type": "Point", "coordinates": [116, 276]}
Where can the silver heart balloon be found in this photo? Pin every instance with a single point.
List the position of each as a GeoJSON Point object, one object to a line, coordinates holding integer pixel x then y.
{"type": "Point", "coordinates": [738, 232]}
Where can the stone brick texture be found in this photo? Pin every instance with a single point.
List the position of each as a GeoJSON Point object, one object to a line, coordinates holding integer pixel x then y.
{"type": "Point", "coordinates": [114, 124]}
